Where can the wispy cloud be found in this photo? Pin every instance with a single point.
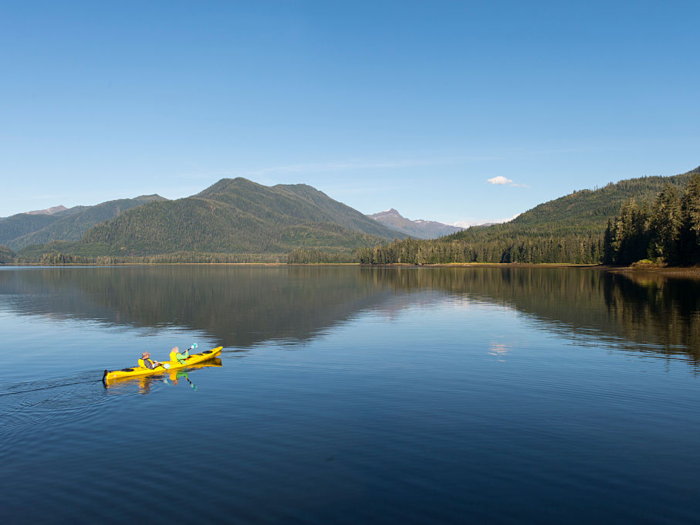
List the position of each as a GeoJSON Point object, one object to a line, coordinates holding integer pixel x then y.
{"type": "Point", "coordinates": [266, 174]}
{"type": "Point", "coordinates": [356, 164]}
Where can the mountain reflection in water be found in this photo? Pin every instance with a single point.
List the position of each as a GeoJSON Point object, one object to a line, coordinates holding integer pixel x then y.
{"type": "Point", "coordinates": [243, 306]}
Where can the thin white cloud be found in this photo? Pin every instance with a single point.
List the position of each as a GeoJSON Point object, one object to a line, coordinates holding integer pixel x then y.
{"type": "Point", "coordinates": [500, 181]}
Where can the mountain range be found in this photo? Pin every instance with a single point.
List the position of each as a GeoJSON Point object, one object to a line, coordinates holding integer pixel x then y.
{"type": "Point", "coordinates": [418, 229]}
{"type": "Point", "coordinates": [238, 216]}
{"type": "Point", "coordinates": [232, 216]}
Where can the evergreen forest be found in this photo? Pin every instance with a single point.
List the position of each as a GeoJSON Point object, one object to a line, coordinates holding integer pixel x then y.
{"type": "Point", "coordinates": [665, 231]}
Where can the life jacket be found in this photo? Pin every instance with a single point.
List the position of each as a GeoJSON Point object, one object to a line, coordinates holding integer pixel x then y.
{"type": "Point", "coordinates": [183, 356]}
{"type": "Point", "coordinates": [147, 363]}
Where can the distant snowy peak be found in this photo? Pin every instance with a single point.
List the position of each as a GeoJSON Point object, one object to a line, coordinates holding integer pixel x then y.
{"type": "Point", "coordinates": [419, 229]}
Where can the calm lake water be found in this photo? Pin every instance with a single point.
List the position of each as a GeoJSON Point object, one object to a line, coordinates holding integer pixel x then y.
{"type": "Point", "coordinates": [350, 395]}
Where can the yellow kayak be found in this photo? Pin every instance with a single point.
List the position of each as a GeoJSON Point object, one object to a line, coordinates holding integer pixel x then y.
{"type": "Point", "coordinates": [144, 382]}
{"type": "Point", "coordinates": [137, 371]}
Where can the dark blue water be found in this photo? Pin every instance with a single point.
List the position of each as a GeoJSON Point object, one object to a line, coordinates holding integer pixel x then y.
{"type": "Point", "coordinates": [350, 395]}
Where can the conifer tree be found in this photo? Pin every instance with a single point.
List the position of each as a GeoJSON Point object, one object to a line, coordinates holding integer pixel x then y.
{"type": "Point", "coordinates": [665, 224]}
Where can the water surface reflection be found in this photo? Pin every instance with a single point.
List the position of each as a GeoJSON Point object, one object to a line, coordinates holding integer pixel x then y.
{"type": "Point", "coordinates": [415, 396]}
{"type": "Point", "coordinates": [243, 306]}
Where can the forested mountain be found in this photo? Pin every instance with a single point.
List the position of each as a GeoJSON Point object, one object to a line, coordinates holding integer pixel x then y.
{"type": "Point", "coordinates": [21, 224]}
{"type": "Point", "coordinates": [26, 229]}
{"type": "Point", "coordinates": [417, 229]}
{"type": "Point", "coordinates": [566, 230]}
{"type": "Point", "coordinates": [590, 209]}
{"type": "Point", "coordinates": [291, 203]}
{"type": "Point", "coordinates": [7, 256]}
{"type": "Point", "coordinates": [233, 216]}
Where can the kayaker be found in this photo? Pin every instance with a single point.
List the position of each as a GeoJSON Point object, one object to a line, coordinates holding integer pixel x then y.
{"type": "Point", "coordinates": [147, 362]}
{"type": "Point", "coordinates": [175, 355]}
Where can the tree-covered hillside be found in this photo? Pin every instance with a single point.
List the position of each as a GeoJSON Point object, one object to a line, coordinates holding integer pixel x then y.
{"type": "Point", "coordinates": [25, 229]}
{"type": "Point", "coordinates": [291, 204]}
{"type": "Point", "coordinates": [7, 256]}
{"type": "Point", "coordinates": [21, 224]}
{"type": "Point", "coordinates": [232, 216]}
{"type": "Point", "coordinates": [590, 209]}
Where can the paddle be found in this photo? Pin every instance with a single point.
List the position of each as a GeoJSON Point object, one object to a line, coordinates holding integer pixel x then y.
{"type": "Point", "coordinates": [193, 347]}
{"type": "Point", "coordinates": [167, 365]}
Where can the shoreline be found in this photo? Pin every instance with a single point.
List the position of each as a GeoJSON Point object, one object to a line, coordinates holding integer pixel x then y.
{"type": "Point", "coordinates": [652, 269]}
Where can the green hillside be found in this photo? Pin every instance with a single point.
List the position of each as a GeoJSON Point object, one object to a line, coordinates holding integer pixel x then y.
{"type": "Point", "coordinates": [291, 203]}
{"type": "Point", "coordinates": [7, 256]}
{"type": "Point", "coordinates": [22, 224]}
{"type": "Point", "coordinates": [583, 212]}
{"type": "Point", "coordinates": [232, 216]}
{"type": "Point", "coordinates": [24, 229]}
{"type": "Point", "coordinates": [565, 230]}
{"type": "Point", "coordinates": [590, 209]}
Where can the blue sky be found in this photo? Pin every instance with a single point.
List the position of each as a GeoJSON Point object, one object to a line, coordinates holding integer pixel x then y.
{"type": "Point", "coordinates": [408, 104]}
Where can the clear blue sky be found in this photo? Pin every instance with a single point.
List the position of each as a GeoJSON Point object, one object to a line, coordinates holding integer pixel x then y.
{"type": "Point", "coordinates": [407, 104]}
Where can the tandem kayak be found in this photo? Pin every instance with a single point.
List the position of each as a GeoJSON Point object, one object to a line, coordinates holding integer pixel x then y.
{"type": "Point", "coordinates": [172, 377]}
{"type": "Point", "coordinates": [137, 371]}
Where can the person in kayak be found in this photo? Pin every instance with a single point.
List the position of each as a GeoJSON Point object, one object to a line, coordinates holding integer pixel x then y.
{"type": "Point", "coordinates": [175, 355]}
{"type": "Point", "coordinates": [147, 362]}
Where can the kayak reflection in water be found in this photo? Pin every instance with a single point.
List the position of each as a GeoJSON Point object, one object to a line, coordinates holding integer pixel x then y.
{"type": "Point", "coordinates": [175, 377]}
